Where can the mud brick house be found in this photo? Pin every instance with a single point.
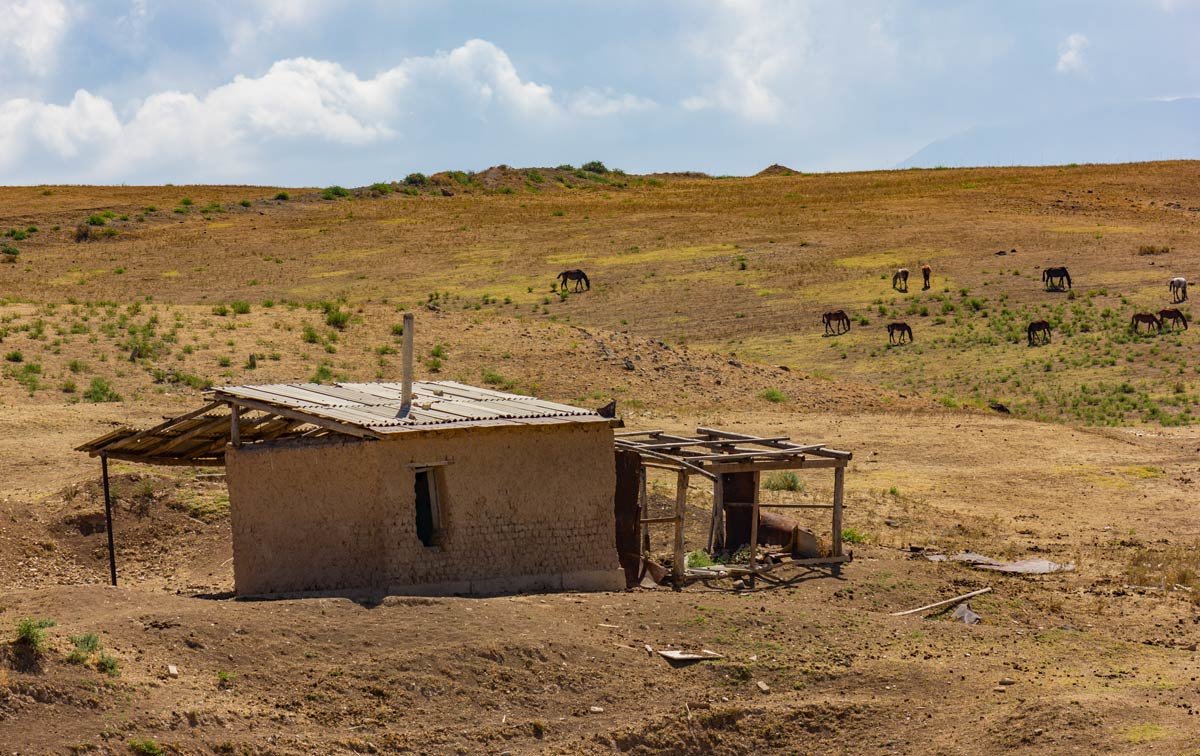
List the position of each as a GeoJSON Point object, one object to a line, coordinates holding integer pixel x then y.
{"type": "Point", "coordinates": [431, 487]}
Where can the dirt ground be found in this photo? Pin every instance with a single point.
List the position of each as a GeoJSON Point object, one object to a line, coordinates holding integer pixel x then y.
{"type": "Point", "coordinates": [1098, 659]}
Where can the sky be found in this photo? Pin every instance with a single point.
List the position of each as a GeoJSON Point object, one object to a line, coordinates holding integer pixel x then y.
{"type": "Point", "coordinates": [318, 92]}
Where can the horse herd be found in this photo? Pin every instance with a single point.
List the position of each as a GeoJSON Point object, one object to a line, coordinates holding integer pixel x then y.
{"type": "Point", "coordinates": [1038, 332]}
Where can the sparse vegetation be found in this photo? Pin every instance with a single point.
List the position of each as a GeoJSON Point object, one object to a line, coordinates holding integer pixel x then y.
{"type": "Point", "coordinates": [31, 634]}
{"type": "Point", "coordinates": [782, 481]}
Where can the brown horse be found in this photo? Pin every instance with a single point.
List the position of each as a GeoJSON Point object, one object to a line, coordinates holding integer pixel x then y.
{"type": "Point", "coordinates": [898, 331]}
{"type": "Point", "coordinates": [578, 276]}
{"type": "Point", "coordinates": [1056, 279]}
{"type": "Point", "coordinates": [1174, 316]}
{"type": "Point", "coordinates": [1038, 332]}
{"type": "Point", "coordinates": [1149, 319]}
{"type": "Point", "coordinates": [926, 271]}
{"type": "Point", "coordinates": [900, 280]}
{"type": "Point", "coordinates": [836, 322]}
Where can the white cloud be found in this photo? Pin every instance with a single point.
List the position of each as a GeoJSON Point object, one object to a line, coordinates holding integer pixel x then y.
{"type": "Point", "coordinates": [1070, 54]}
{"type": "Point", "coordinates": [31, 31]}
{"type": "Point", "coordinates": [593, 103]}
{"type": "Point", "coordinates": [228, 131]}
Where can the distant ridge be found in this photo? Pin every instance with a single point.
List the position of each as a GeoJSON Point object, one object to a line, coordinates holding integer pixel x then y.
{"type": "Point", "coordinates": [775, 169]}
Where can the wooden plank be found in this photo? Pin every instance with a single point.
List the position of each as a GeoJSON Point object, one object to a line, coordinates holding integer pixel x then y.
{"type": "Point", "coordinates": [658, 520]}
{"type": "Point", "coordinates": [947, 602]}
{"type": "Point", "coordinates": [744, 504]}
{"type": "Point", "coordinates": [677, 561]}
{"type": "Point", "coordinates": [805, 464]}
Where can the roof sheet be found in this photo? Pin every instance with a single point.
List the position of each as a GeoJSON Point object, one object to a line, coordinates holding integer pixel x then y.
{"type": "Point", "coordinates": [376, 407]}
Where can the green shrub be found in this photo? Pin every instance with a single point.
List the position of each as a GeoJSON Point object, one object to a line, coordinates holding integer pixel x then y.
{"type": "Point", "coordinates": [95, 220]}
{"type": "Point", "coordinates": [31, 633]}
{"type": "Point", "coordinates": [416, 179]}
{"type": "Point", "coordinates": [492, 378]}
{"type": "Point", "coordinates": [335, 317]}
{"type": "Point", "coordinates": [282, 196]}
{"type": "Point", "coordinates": [439, 351]}
{"type": "Point", "coordinates": [100, 390]}
{"type": "Point", "coordinates": [186, 202]}
{"type": "Point", "coordinates": [108, 665]}
{"type": "Point", "coordinates": [245, 203]}
{"type": "Point", "coordinates": [309, 335]}
{"type": "Point", "coordinates": [594, 166]}
{"type": "Point", "coordinates": [146, 747]}
{"type": "Point", "coordinates": [850, 535]}
{"type": "Point", "coordinates": [85, 645]}
{"type": "Point", "coordinates": [10, 252]}
{"type": "Point", "coordinates": [240, 307]}
{"type": "Point", "coordinates": [566, 167]}
{"type": "Point", "coordinates": [220, 310]}
{"type": "Point", "coordinates": [14, 356]}
{"type": "Point", "coordinates": [397, 329]}
{"type": "Point", "coordinates": [783, 481]}
{"type": "Point", "coordinates": [333, 192]}
{"type": "Point", "coordinates": [381, 188]}
{"type": "Point", "coordinates": [775, 396]}
{"type": "Point", "coordinates": [323, 374]}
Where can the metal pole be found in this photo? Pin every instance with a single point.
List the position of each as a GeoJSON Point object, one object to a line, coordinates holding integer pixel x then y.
{"type": "Point", "coordinates": [112, 550]}
{"type": "Point", "coordinates": [407, 366]}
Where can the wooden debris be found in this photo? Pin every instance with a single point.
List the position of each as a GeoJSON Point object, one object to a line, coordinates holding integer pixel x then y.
{"type": "Point", "coordinates": [686, 656]}
{"type": "Point", "coordinates": [946, 602]}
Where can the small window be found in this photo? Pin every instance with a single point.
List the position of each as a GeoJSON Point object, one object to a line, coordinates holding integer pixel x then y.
{"type": "Point", "coordinates": [428, 519]}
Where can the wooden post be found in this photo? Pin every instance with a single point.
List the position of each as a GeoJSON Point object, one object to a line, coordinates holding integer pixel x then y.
{"type": "Point", "coordinates": [644, 508]}
{"type": "Point", "coordinates": [753, 540]}
{"type": "Point", "coordinates": [677, 561]}
{"type": "Point", "coordinates": [108, 524]}
{"type": "Point", "coordinates": [716, 528]}
{"type": "Point", "coordinates": [839, 485]}
{"type": "Point", "coordinates": [235, 425]}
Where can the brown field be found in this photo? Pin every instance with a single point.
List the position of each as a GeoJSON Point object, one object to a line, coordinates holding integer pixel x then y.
{"type": "Point", "coordinates": [711, 290]}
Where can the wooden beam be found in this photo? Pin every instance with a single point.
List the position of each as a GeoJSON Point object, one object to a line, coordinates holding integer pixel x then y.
{"type": "Point", "coordinates": [108, 523]}
{"type": "Point", "coordinates": [678, 567]}
{"type": "Point", "coordinates": [235, 425]}
{"type": "Point", "coordinates": [800, 464]}
{"type": "Point", "coordinates": [839, 487]}
{"type": "Point", "coordinates": [347, 428]}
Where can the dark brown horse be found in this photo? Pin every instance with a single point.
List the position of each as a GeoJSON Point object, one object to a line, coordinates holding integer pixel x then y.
{"type": "Point", "coordinates": [1149, 319]}
{"type": "Point", "coordinates": [1038, 332]}
{"type": "Point", "coordinates": [899, 332]}
{"type": "Point", "coordinates": [836, 322]}
{"type": "Point", "coordinates": [900, 279]}
{"type": "Point", "coordinates": [926, 271]}
{"type": "Point", "coordinates": [1056, 279]}
{"type": "Point", "coordinates": [1174, 316]}
{"type": "Point", "coordinates": [578, 276]}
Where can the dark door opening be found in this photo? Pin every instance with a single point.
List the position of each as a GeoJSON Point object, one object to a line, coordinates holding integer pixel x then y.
{"type": "Point", "coordinates": [426, 507]}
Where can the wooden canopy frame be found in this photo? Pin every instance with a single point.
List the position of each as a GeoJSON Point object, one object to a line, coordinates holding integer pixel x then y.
{"type": "Point", "coordinates": [712, 453]}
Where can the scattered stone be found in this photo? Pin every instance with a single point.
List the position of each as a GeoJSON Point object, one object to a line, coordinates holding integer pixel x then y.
{"type": "Point", "coordinates": [999, 689]}
{"type": "Point", "coordinates": [1007, 681]}
{"type": "Point", "coordinates": [763, 687]}
{"type": "Point", "coordinates": [596, 709]}
{"type": "Point", "coordinates": [172, 670]}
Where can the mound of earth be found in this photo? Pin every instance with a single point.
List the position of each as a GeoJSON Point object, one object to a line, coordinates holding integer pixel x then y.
{"type": "Point", "coordinates": [775, 169]}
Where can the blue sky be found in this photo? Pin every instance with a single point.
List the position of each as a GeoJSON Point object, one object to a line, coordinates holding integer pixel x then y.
{"type": "Point", "coordinates": [321, 91]}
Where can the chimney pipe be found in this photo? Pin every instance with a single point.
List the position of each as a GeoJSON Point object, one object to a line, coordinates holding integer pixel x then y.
{"type": "Point", "coordinates": [407, 362]}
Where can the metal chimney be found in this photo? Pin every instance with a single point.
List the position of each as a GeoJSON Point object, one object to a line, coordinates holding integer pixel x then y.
{"type": "Point", "coordinates": [407, 362]}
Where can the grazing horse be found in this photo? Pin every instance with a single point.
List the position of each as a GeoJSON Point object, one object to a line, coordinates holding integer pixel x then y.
{"type": "Point", "coordinates": [1175, 316]}
{"type": "Point", "coordinates": [1178, 288]}
{"type": "Point", "coordinates": [578, 276]}
{"type": "Point", "coordinates": [926, 271]}
{"type": "Point", "coordinates": [898, 331]}
{"type": "Point", "coordinates": [836, 322]}
{"type": "Point", "coordinates": [1038, 332]}
{"type": "Point", "coordinates": [1148, 318]}
{"type": "Point", "coordinates": [1053, 278]}
{"type": "Point", "coordinates": [900, 280]}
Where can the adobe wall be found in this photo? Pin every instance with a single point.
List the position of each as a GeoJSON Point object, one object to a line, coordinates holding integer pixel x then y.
{"type": "Point", "coordinates": [522, 508]}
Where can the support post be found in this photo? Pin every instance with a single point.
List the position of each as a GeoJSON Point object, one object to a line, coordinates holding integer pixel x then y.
{"type": "Point", "coordinates": [108, 524]}
{"type": "Point", "coordinates": [716, 528]}
{"type": "Point", "coordinates": [839, 485]}
{"type": "Point", "coordinates": [235, 425]}
{"type": "Point", "coordinates": [677, 560]}
{"type": "Point", "coordinates": [644, 508]}
{"type": "Point", "coordinates": [753, 541]}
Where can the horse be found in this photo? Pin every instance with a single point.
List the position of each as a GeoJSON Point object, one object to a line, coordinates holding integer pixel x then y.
{"type": "Point", "coordinates": [1038, 332]}
{"type": "Point", "coordinates": [1178, 288]}
{"type": "Point", "coordinates": [836, 322]}
{"type": "Point", "coordinates": [1175, 316]}
{"type": "Point", "coordinates": [578, 276]}
{"type": "Point", "coordinates": [900, 277]}
{"type": "Point", "coordinates": [1053, 278]}
{"type": "Point", "coordinates": [1148, 318]}
{"type": "Point", "coordinates": [926, 271]}
{"type": "Point", "coordinates": [898, 331]}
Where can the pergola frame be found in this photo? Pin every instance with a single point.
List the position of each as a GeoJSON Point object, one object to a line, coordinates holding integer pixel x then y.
{"type": "Point", "coordinates": [712, 453]}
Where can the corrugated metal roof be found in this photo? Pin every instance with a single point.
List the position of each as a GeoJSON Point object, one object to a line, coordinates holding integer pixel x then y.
{"type": "Point", "coordinates": [376, 407]}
